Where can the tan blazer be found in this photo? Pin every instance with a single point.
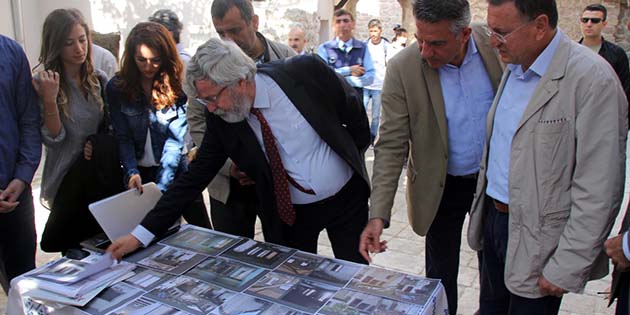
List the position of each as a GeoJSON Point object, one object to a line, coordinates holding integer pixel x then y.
{"type": "Point", "coordinates": [413, 117]}
{"type": "Point", "coordinates": [567, 166]}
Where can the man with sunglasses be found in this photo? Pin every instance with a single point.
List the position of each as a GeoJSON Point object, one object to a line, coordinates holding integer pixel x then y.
{"type": "Point", "coordinates": [593, 21]}
{"type": "Point", "coordinates": [551, 179]}
{"type": "Point", "coordinates": [436, 95]}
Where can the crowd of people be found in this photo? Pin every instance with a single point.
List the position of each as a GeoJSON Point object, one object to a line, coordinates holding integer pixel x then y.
{"type": "Point", "coordinates": [508, 122]}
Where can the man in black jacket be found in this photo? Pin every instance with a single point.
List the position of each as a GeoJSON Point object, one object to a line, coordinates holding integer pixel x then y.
{"type": "Point", "coordinates": [593, 21]}
{"type": "Point", "coordinates": [296, 128]}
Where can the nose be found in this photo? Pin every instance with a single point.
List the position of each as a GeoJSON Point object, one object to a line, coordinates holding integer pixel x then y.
{"type": "Point", "coordinates": [211, 107]}
{"type": "Point", "coordinates": [494, 42]}
{"type": "Point", "coordinates": [425, 51]}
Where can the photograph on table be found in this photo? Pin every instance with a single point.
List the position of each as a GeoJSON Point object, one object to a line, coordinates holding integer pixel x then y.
{"type": "Point", "coordinates": [303, 294]}
{"type": "Point", "coordinates": [246, 304]}
{"type": "Point", "coordinates": [201, 240]}
{"type": "Point", "coordinates": [147, 279]}
{"type": "Point", "coordinates": [395, 285]}
{"type": "Point", "coordinates": [167, 259]}
{"type": "Point", "coordinates": [112, 298]}
{"type": "Point", "coordinates": [146, 306]}
{"type": "Point", "coordinates": [333, 271]}
{"type": "Point", "coordinates": [264, 255]}
{"type": "Point", "coordinates": [228, 273]}
{"type": "Point", "coordinates": [191, 295]}
{"type": "Point", "coordinates": [353, 302]}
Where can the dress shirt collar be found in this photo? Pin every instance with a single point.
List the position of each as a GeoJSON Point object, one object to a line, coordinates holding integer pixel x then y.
{"type": "Point", "coordinates": [262, 99]}
{"type": "Point", "coordinates": [470, 52]}
{"type": "Point", "coordinates": [340, 43]}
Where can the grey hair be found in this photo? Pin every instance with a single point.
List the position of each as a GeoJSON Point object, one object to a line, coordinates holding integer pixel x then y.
{"type": "Point", "coordinates": [434, 11]}
{"type": "Point", "coordinates": [219, 61]}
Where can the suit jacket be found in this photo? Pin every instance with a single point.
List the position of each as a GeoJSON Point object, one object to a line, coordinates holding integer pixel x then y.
{"type": "Point", "coordinates": [219, 188]}
{"type": "Point", "coordinates": [413, 116]}
{"type": "Point", "coordinates": [567, 165]}
{"type": "Point", "coordinates": [326, 101]}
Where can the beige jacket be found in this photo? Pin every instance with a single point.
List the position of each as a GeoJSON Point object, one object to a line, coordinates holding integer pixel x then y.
{"type": "Point", "coordinates": [413, 117]}
{"type": "Point", "coordinates": [567, 167]}
{"type": "Point", "coordinates": [219, 187]}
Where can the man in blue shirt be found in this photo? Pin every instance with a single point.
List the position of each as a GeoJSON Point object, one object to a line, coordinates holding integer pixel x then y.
{"type": "Point", "coordinates": [20, 151]}
{"type": "Point", "coordinates": [551, 179]}
{"type": "Point", "coordinates": [348, 56]}
{"type": "Point", "coordinates": [436, 95]}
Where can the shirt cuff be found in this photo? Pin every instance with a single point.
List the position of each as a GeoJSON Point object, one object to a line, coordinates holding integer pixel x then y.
{"type": "Point", "coordinates": [143, 235]}
{"type": "Point", "coordinates": [626, 248]}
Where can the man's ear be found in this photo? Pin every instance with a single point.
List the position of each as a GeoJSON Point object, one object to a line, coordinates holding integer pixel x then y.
{"type": "Point", "coordinates": [255, 22]}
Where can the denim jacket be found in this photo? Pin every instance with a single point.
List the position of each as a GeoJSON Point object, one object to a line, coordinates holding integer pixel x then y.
{"type": "Point", "coordinates": [168, 128]}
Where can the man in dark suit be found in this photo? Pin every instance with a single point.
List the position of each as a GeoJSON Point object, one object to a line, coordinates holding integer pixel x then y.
{"type": "Point", "coordinates": [619, 252]}
{"type": "Point", "coordinates": [300, 133]}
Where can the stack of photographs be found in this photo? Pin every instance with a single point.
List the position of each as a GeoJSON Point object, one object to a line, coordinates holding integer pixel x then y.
{"type": "Point", "coordinates": [199, 271]}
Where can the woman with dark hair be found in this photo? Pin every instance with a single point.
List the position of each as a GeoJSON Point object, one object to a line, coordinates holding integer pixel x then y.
{"type": "Point", "coordinates": [70, 90]}
{"type": "Point", "coordinates": [148, 111]}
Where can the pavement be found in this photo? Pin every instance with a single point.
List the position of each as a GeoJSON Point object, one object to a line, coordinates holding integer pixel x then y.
{"type": "Point", "coordinates": [406, 253]}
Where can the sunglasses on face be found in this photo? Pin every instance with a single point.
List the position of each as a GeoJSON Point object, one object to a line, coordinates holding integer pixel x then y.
{"type": "Point", "coordinates": [593, 20]}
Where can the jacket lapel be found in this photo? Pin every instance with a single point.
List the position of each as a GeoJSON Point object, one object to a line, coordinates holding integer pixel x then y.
{"type": "Point", "coordinates": [434, 87]}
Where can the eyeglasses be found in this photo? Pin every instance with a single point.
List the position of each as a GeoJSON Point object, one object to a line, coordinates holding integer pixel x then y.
{"type": "Point", "coordinates": [210, 99]}
{"type": "Point", "coordinates": [503, 38]}
{"type": "Point", "coordinates": [593, 20]}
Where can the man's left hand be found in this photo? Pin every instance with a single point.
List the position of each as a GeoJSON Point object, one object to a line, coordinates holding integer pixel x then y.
{"type": "Point", "coordinates": [548, 288]}
{"type": "Point", "coordinates": [614, 250]}
{"type": "Point", "coordinates": [9, 196]}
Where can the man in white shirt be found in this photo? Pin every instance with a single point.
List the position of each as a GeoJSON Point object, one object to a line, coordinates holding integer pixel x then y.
{"type": "Point", "coordinates": [378, 48]}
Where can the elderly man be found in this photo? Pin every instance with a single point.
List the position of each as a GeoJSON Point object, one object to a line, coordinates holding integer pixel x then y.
{"type": "Point", "coordinates": [297, 39]}
{"type": "Point", "coordinates": [296, 128]}
{"type": "Point", "coordinates": [20, 153]}
{"type": "Point", "coordinates": [436, 95]}
{"type": "Point", "coordinates": [551, 180]}
{"type": "Point", "coordinates": [232, 196]}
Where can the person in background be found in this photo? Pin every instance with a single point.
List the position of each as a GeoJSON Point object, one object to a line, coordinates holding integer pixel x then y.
{"type": "Point", "coordinates": [593, 21]}
{"type": "Point", "coordinates": [148, 114]}
{"type": "Point", "coordinates": [104, 60]}
{"type": "Point", "coordinates": [551, 178]}
{"type": "Point", "coordinates": [232, 194]}
{"type": "Point", "coordinates": [436, 95]}
{"type": "Point", "coordinates": [170, 20]}
{"type": "Point", "coordinates": [20, 153]}
{"type": "Point", "coordinates": [297, 39]}
{"type": "Point", "coordinates": [379, 48]}
{"type": "Point", "coordinates": [73, 109]}
{"type": "Point", "coordinates": [348, 56]}
{"type": "Point", "coordinates": [400, 39]}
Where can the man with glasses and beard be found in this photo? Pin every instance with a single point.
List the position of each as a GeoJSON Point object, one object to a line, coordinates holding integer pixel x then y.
{"type": "Point", "coordinates": [551, 177]}
{"type": "Point", "coordinates": [296, 128]}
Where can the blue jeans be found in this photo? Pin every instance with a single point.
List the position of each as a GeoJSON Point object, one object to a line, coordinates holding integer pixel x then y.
{"type": "Point", "coordinates": [376, 108]}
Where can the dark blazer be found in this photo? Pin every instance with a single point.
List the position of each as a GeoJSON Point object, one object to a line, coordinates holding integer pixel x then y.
{"type": "Point", "coordinates": [326, 101]}
{"type": "Point", "coordinates": [617, 276]}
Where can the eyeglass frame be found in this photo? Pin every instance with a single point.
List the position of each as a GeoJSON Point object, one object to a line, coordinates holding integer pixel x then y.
{"type": "Point", "coordinates": [503, 38]}
{"type": "Point", "coordinates": [585, 20]}
{"type": "Point", "coordinates": [212, 99]}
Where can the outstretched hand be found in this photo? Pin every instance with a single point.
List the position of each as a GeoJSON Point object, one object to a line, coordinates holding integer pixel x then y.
{"type": "Point", "coordinates": [370, 239]}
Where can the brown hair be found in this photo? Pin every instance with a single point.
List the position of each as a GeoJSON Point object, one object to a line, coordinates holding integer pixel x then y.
{"type": "Point", "coordinates": [342, 12]}
{"type": "Point", "coordinates": [167, 85]}
{"type": "Point", "coordinates": [58, 25]}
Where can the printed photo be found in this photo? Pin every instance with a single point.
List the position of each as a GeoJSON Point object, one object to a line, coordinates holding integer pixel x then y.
{"type": "Point", "coordinates": [147, 279]}
{"type": "Point", "coordinates": [227, 273]}
{"type": "Point", "coordinates": [172, 260]}
{"type": "Point", "coordinates": [394, 285]}
{"type": "Point", "coordinates": [146, 306]}
{"type": "Point", "coordinates": [190, 295]}
{"type": "Point", "coordinates": [302, 294]}
{"type": "Point", "coordinates": [111, 298]}
{"type": "Point", "coordinates": [245, 304]}
{"type": "Point", "coordinates": [203, 241]}
{"type": "Point", "coordinates": [334, 271]}
{"type": "Point", "coordinates": [348, 302]}
{"type": "Point", "coordinates": [264, 255]}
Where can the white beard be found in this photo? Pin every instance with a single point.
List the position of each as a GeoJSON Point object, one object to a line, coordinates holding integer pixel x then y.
{"type": "Point", "coordinates": [241, 105]}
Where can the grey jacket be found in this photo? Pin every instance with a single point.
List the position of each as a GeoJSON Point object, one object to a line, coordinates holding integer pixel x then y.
{"type": "Point", "coordinates": [567, 166]}
{"type": "Point", "coordinates": [219, 187]}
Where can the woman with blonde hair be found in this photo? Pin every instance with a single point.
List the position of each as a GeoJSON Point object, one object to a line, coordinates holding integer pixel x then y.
{"type": "Point", "coordinates": [72, 108]}
{"type": "Point", "coordinates": [148, 109]}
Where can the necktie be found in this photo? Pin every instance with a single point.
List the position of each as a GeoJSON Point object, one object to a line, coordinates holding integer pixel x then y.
{"type": "Point", "coordinates": [345, 48]}
{"type": "Point", "coordinates": [279, 175]}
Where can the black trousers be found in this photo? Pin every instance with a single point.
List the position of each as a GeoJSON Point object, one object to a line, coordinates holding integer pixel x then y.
{"type": "Point", "coordinates": [18, 240]}
{"type": "Point", "coordinates": [624, 291]}
{"type": "Point", "coordinates": [343, 215]}
{"type": "Point", "coordinates": [238, 215]}
{"type": "Point", "coordinates": [196, 214]}
{"type": "Point", "coordinates": [494, 297]}
{"type": "Point", "coordinates": [443, 240]}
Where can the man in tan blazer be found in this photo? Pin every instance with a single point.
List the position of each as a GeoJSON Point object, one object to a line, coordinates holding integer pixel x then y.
{"type": "Point", "coordinates": [435, 102]}
{"type": "Point", "coordinates": [551, 179]}
{"type": "Point", "coordinates": [232, 194]}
